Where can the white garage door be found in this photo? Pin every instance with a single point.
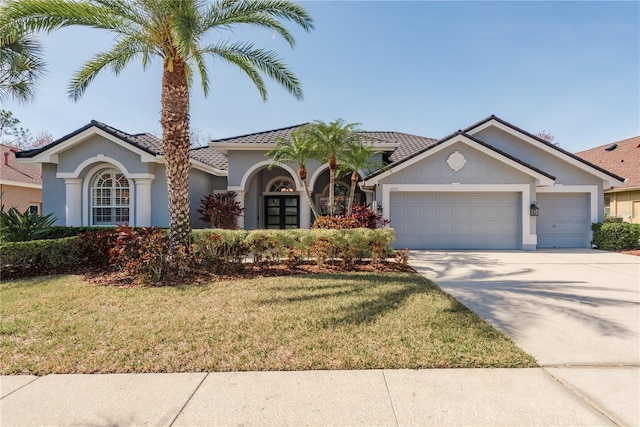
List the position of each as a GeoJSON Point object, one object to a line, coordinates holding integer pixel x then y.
{"type": "Point", "coordinates": [563, 220]}
{"type": "Point", "coordinates": [455, 220]}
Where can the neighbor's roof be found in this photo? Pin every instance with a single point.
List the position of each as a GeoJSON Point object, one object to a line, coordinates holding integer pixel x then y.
{"type": "Point", "coordinates": [621, 158]}
{"type": "Point", "coordinates": [144, 141]}
{"type": "Point", "coordinates": [17, 172]}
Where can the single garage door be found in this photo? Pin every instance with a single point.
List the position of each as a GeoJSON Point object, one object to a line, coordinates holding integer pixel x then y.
{"type": "Point", "coordinates": [455, 220]}
{"type": "Point", "coordinates": [563, 220]}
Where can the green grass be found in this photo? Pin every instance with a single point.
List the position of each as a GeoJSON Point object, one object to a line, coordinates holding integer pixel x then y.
{"type": "Point", "coordinates": [63, 324]}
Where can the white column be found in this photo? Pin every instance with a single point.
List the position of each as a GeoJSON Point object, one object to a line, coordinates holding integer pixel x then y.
{"type": "Point", "coordinates": [73, 202]}
{"type": "Point", "coordinates": [143, 202]}
{"type": "Point", "coordinates": [240, 199]}
{"type": "Point", "coordinates": [305, 211]}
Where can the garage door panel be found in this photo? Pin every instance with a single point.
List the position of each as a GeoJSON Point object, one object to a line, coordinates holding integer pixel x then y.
{"type": "Point", "coordinates": [461, 220]}
{"type": "Point", "coordinates": [563, 221]}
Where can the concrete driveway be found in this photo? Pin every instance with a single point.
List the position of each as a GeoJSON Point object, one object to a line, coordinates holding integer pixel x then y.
{"type": "Point", "coordinates": [576, 311]}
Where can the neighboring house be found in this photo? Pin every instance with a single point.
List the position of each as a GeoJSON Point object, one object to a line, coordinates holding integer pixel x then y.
{"type": "Point", "coordinates": [622, 158]}
{"type": "Point", "coordinates": [473, 189]}
{"type": "Point", "coordinates": [20, 184]}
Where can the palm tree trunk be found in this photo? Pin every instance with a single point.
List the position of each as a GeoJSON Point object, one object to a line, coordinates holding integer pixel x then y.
{"type": "Point", "coordinates": [332, 181]}
{"type": "Point", "coordinates": [176, 144]}
{"type": "Point", "coordinates": [302, 173]}
{"type": "Point", "coordinates": [352, 191]}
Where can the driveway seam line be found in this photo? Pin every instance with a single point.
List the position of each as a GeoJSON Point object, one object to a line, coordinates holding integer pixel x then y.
{"type": "Point", "coordinates": [393, 408]}
{"type": "Point", "coordinates": [582, 397]}
{"type": "Point", "coordinates": [188, 400]}
{"type": "Point", "coordinates": [22, 386]}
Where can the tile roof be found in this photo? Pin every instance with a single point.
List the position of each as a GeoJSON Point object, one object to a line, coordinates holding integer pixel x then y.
{"type": "Point", "coordinates": [409, 144]}
{"type": "Point", "coordinates": [144, 141]}
{"type": "Point", "coordinates": [18, 172]}
{"type": "Point", "coordinates": [623, 160]}
{"type": "Point", "coordinates": [265, 137]}
{"type": "Point", "coordinates": [209, 156]}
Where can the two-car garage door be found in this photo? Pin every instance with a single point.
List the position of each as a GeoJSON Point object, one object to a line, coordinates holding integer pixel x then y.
{"type": "Point", "coordinates": [486, 220]}
{"type": "Point", "coordinates": [455, 220]}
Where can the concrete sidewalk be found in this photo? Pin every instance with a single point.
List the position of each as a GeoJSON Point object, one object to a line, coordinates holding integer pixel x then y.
{"type": "Point", "coordinates": [435, 397]}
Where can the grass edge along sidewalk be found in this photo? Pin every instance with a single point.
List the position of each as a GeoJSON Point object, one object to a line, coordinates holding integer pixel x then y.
{"type": "Point", "coordinates": [65, 324]}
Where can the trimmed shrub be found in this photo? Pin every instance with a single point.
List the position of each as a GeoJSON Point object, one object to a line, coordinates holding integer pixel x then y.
{"type": "Point", "coordinates": [616, 236]}
{"type": "Point", "coordinates": [39, 257]}
{"type": "Point", "coordinates": [362, 216]}
{"type": "Point", "coordinates": [220, 250]}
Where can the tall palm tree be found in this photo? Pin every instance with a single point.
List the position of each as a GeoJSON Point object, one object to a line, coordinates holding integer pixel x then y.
{"type": "Point", "coordinates": [359, 157]}
{"type": "Point", "coordinates": [297, 149]}
{"type": "Point", "coordinates": [333, 140]}
{"type": "Point", "coordinates": [21, 65]}
{"type": "Point", "coordinates": [175, 32]}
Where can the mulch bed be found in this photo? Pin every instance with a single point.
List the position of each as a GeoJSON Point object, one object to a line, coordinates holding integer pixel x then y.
{"type": "Point", "coordinates": [249, 271]}
{"type": "Point", "coordinates": [636, 252]}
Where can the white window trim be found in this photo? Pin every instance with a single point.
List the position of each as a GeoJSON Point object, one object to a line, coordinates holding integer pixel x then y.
{"type": "Point", "coordinates": [262, 165]}
{"type": "Point", "coordinates": [87, 218]}
{"type": "Point", "coordinates": [528, 239]}
{"type": "Point", "coordinates": [89, 182]}
{"type": "Point", "coordinates": [280, 178]}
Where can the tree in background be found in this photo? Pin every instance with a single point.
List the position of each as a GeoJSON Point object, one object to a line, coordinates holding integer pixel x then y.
{"type": "Point", "coordinates": [547, 137]}
{"type": "Point", "coordinates": [18, 137]}
{"type": "Point", "coordinates": [21, 65]}
{"type": "Point", "coordinates": [175, 32]}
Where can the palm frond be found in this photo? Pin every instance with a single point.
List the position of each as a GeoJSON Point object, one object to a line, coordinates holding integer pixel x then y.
{"type": "Point", "coordinates": [252, 60]}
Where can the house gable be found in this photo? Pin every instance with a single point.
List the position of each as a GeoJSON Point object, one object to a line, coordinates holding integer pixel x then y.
{"type": "Point", "coordinates": [460, 139]}
{"type": "Point", "coordinates": [567, 167]}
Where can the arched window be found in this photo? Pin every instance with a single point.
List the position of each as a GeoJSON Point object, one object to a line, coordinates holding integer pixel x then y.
{"type": "Point", "coordinates": [280, 184]}
{"type": "Point", "coordinates": [110, 201]}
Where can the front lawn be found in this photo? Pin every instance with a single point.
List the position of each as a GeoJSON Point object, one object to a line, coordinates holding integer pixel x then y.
{"type": "Point", "coordinates": [64, 324]}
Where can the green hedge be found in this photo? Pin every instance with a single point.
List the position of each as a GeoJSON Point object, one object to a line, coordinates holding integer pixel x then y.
{"type": "Point", "coordinates": [616, 236]}
{"type": "Point", "coordinates": [218, 250]}
{"type": "Point", "coordinates": [38, 257]}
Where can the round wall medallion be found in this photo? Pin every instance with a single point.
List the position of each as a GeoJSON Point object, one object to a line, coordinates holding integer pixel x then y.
{"type": "Point", "coordinates": [456, 161]}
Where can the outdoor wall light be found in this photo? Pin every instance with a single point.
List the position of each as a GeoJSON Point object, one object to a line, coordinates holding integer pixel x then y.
{"type": "Point", "coordinates": [379, 208]}
{"type": "Point", "coordinates": [534, 209]}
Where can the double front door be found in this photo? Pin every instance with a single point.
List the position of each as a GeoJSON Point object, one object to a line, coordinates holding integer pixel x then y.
{"type": "Point", "coordinates": [282, 212]}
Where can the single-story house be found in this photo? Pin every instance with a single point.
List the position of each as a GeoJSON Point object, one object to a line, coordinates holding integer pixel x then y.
{"type": "Point", "coordinates": [478, 188]}
{"type": "Point", "coordinates": [20, 184]}
{"type": "Point", "coordinates": [623, 158]}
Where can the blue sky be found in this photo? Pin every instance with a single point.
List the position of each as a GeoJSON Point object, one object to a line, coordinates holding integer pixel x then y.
{"type": "Point", "coordinates": [428, 68]}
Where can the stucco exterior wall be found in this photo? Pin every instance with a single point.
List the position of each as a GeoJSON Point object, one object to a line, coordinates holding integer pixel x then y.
{"type": "Point", "coordinates": [480, 168]}
{"type": "Point", "coordinates": [563, 171]}
{"type": "Point", "coordinates": [159, 198]}
{"type": "Point", "coordinates": [20, 197]}
{"type": "Point", "coordinates": [96, 145]}
{"type": "Point", "coordinates": [53, 194]}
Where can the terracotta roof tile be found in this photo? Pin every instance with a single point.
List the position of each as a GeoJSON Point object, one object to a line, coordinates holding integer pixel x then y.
{"type": "Point", "coordinates": [623, 160]}
{"type": "Point", "coordinates": [14, 171]}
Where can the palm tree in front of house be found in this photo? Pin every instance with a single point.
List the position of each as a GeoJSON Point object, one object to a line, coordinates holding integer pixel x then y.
{"type": "Point", "coordinates": [359, 158]}
{"type": "Point", "coordinates": [173, 31]}
{"type": "Point", "coordinates": [297, 149]}
{"type": "Point", "coordinates": [332, 140]}
{"type": "Point", "coordinates": [21, 65]}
